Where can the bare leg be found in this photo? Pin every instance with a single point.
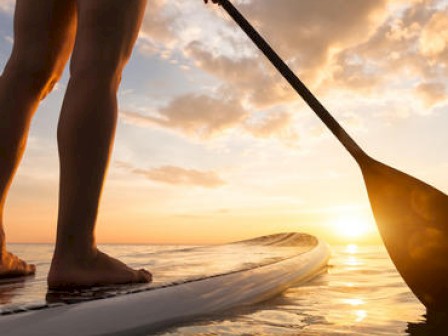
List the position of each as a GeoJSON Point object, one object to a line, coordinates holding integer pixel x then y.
{"type": "Point", "coordinates": [43, 39]}
{"type": "Point", "coordinates": [107, 30]}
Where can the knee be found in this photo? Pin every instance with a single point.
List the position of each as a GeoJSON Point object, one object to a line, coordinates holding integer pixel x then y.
{"type": "Point", "coordinates": [38, 76]}
{"type": "Point", "coordinates": [104, 73]}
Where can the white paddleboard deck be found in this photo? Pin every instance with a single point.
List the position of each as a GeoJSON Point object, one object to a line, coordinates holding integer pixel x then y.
{"type": "Point", "coordinates": [243, 273]}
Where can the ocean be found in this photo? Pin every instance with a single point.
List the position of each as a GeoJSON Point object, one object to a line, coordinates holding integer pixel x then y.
{"type": "Point", "coordinates": [360, 294]}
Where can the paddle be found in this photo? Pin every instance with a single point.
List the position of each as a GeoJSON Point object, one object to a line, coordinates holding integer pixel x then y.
{"type": "Point", "coordinates": [411, 215]}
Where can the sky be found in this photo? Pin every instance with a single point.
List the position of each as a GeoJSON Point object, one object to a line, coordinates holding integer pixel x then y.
{"type": "Point", "coordinates": [212, 144]}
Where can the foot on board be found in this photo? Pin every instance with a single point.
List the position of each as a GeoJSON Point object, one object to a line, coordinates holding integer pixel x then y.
{"type": "Point", "coordinates": [12, 266]}
{"type": "Point", "coordinates": [97, 270]}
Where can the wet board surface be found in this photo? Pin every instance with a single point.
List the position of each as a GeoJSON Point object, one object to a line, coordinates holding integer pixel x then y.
{"type": "Point", "coordinates": [188, 283]}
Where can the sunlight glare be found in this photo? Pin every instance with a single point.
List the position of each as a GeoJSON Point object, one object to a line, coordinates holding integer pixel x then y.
{"type": "Point", "coordinates": [354, 301]}
{"type": "Point", "coordinates": [353, 261]}
{"type": "Point", "coordinates": [360, 315]}
{"type": "Point", "coordinates": [351, 226]}
{"type": "Point", "coordinates": [351, 248]}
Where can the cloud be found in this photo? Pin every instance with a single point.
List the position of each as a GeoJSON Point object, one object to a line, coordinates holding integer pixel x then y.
{"type": "Point", "coordinates": [9, 39]}
{"type": "Point", "coordinates": [434, 36]}
{"type": "Point", "coordinates": [200, 116]}
{"type": "Point", "coordinates": [7, 6]}
{"type": "Point", "coordinates": [352, 72]}
{"type": "Point", "coordinates": [177, 175]}
{"type": "Point", "coordinates": [309, 32]}
{"type": "Point", "coordinates": [431, 93]}
{"type": "Point", "coordinates": [407, 54]}
{"type": "Point", "coordinates": [298, 29]}
{"type": "Point", "coordinates": [157, 31]}
{"type": "Point", "coordinates": [376, 49]}
{"type": "Point", "coordinates": [247, 77]}
{"type": "Point", "coordinates": [274, 125]}
{"type": "Point", "coordinates": [203, 117]}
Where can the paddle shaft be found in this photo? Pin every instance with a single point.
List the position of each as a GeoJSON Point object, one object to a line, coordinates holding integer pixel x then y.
{"type": "Point", "coordinates": [345, 139]}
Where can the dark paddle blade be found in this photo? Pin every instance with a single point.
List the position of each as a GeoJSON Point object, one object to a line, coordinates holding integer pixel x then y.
{"type": "Point", "coordinates": [411, 215]}
{"type": "Point", "coordinates": [412, 218]}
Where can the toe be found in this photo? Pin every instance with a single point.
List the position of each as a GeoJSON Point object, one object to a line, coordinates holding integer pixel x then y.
{"type": "Point", "coordinates": [25, 269]}
{"type": "Point", "coordinates": [144, 275]}
{"type": "Point", "coordinates": [13, 266]}
{"type": "Point", "coordinates": [31, 269]}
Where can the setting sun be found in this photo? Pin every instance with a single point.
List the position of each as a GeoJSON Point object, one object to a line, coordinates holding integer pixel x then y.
{"type": "Point", "coordinates": [352, 226]}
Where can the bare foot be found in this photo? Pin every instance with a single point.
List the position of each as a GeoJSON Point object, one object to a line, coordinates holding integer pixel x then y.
{"type": "Point", "coordinates": [12, 266]}
{"type": "Point", "coordinates": [98, 269]}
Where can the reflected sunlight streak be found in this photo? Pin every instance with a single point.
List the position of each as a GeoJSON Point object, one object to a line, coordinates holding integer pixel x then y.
{"type": "Point", "coordinates": [351, 248]}
{"type": "Point", "coordinates": [353, 261]}
{"type": "Point", "coordinates": [360, 315]}
{"type": "Point", "coordinates": [354, 301]}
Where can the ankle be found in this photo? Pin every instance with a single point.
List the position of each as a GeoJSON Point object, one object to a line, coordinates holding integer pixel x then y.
{"type": "Point", "coordinates": [72, 250]}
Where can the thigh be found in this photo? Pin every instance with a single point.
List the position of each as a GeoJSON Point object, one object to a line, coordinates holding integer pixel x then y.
{"type": "Point", "coordinates": [107, 30]}
{"type": "Point", "coordinates": [44, 33]}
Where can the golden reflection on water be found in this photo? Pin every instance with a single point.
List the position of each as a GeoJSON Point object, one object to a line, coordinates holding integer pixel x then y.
{"type": "Point", "coordinates": [351, 259]}
{"type": "Point", "coordinates": [351, 248]}
{"type": "Point", "coordinates": [360, 315]}
{"type": "Point", "coordinates": [351, 302]}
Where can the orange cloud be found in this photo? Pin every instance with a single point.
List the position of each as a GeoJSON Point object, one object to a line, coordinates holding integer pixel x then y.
{"type": "Point", "coordinates": [432, 92]}
{"type": "Point", "coordinates": [370, 47]}
{"type": "Point", "coordinates": [246, 77]}
{"type": "Point", "coordinates": [307, 32]}
{"type": "Point", "coordinates": [177, 175]}
{"type": "Point", "coordinates": [198, 115]}
{"type": "Point", "coordinates": [409, 47]}
{"type": "Point", "coordinates": [203, 117]}
{"type": "Point", "coordinates": [157, 30]}
{"type": "Point", "coordinates": [434, 37]}
{"type": "Point", "coordinates": [274, 125]}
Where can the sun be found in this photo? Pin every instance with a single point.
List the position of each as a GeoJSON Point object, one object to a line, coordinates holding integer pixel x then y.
{"type": "Point", "coordinates": [352, 226]}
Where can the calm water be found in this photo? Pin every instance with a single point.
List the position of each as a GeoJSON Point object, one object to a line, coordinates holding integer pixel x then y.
{"type": "Point", "coordinates": [361, 294]}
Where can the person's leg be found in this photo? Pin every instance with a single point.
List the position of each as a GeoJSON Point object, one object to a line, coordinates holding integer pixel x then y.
{"type": "Point", "coordinates": [44, 33]}
{"type": "Point", "coordinates": [107, 30]}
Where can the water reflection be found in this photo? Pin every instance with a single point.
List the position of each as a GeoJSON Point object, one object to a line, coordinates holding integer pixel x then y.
{"type": "Point", "coordinates": [351, 248]}
{"type": "Point", "coordinates": [353, 301]}
{"type": "Point", "coordinates": [351, 259]}
{"type": "Point", "coordinates": [10, 288]}
{"type": "Point", "coordinates": [360, 315]}
{"type": "Point", "coordinates": [362, 294]}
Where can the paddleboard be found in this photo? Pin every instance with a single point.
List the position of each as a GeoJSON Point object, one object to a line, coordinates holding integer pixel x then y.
{"type": "Point", "coordinates": [254, 270]}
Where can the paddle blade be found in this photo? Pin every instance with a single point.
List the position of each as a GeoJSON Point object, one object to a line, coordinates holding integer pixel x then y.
{"type": "Point", "coordinates": [412, 218]}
